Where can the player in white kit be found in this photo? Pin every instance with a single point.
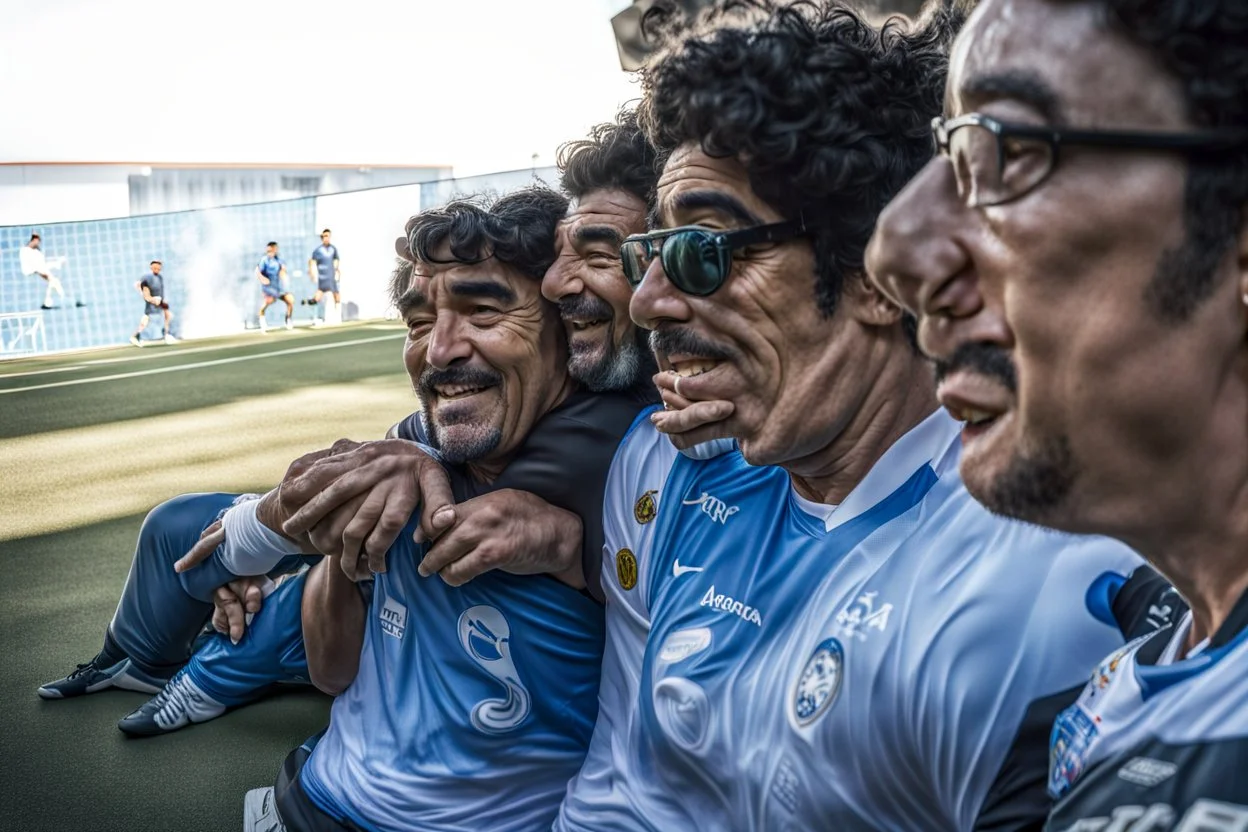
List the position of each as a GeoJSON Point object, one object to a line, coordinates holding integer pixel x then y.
{"type": "Point", "coordinates": [822, 630]}
{"type": "Point", "coordinates": [1089, 312]}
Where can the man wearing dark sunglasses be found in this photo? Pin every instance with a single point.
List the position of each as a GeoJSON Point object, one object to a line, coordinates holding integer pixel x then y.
{"type": "Point", "coordinates": [1078, 260]}
{"type": "Point", "coordinates": [821, 630]}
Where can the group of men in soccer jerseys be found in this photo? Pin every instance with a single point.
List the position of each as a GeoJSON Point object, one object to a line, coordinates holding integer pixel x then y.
{"type": "Point", "coordinates": [799, 594]}
{"type": "Point", "coordinates": [324, 269]}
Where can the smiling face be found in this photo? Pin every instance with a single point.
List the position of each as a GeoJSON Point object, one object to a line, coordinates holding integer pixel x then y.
{"type": "Point", "coordinates": [485, 354]}
{"type": "Point", "coordinates": [1096, 401]}
{"type": "Point", "coordinates": [606, 351]}
{"type": "Point", "coordinates": [759, 341]}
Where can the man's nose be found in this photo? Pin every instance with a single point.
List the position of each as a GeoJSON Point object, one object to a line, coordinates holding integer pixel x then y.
{"type": "Point", "coordinates": [446, 343]}
{"type": "Point", "coordinates": [655, 299]}
{"type": "Point", "coordinates": [922, 256]}
{"type": "Point", "coordinates": [561, 280]}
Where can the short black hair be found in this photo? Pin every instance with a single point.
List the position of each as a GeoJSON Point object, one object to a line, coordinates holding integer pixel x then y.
{"type": "Point", "coordinates": [1204, 45]}
{"type": "Point", "coordinates": [829, 115]}
{"type": "Point", "coordinates": [616, 156]}
{"type": "Point", "coordinates": [270, 243]}
{"type": "Point", "coordinates": [34, 237]}
{"type": "Point", "coordinates": [155, 263]}
{"type": "Point", "coordinates": [326, 231]}
{"type": "Point", "coordinates": [517, 229]}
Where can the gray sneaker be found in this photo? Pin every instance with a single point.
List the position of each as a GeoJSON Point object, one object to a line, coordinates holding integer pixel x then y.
{"type": "Point", "coordinates": [260, 812]}
{"type": "Point", "coordinates": [178, 705]}
{"type": "Point", "coordinates": [95, 676]}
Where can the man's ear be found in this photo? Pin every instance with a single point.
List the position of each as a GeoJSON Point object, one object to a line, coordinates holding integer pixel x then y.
{"type": "Point", "coordinates": [866, 304]}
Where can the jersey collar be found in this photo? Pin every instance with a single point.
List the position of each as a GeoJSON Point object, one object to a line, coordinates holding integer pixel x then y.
{"type": "Point", "coordinates": [928, 443]}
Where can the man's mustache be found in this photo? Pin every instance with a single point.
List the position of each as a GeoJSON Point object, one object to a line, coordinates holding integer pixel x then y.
{"type": "Point", "coordinates": [586, 306]}
{"type": "Point", "coordinates": [984, 359]}
{"type": "Point", "coordinates": [467, 376]}
{"type": "Point", "coordinates": [671, 340]}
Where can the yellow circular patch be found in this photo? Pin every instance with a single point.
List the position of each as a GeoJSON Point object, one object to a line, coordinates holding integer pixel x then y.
{"type": "Point", "coordinates": [645, 509]}
{"type": "Point", "coordinates": [626, 568]}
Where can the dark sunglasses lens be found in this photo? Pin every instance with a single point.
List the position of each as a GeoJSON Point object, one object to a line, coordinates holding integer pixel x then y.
{"type": "Point", "coordinates": [692, 262]}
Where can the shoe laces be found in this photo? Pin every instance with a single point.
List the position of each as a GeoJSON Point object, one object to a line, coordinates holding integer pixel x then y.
{"type": "Point", "coordinates": [83, 669]}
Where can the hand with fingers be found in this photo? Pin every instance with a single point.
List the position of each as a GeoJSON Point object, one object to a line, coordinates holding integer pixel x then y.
{"type": "Point", "coordinates": [354, 503]}
{"type": "Point", "coordinates": [688, 423]}
{"type": "Point", "coordinates": [233, 602]}
{"type": "Point", "coordinates": [510, 530]}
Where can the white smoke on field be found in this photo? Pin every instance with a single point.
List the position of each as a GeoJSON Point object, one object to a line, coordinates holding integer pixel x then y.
{"type": "Point", "coordinates": [217, 297]}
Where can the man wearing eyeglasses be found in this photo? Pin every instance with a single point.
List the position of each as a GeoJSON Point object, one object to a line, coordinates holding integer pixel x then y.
{"type": "Point", "coordinates": [1078, 260]}
{"type": "Point", "coordinates": [822, 630]}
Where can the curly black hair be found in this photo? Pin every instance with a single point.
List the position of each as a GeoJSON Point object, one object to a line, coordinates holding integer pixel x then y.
{"type": "Point", "coordinates": [1204, 44]}
{"type": "Point", "coordinates": [518, 229]}
{"type": "Point", "coordinates": [615, 156]}
{"type": "Point", "coordinates": [830, 115]}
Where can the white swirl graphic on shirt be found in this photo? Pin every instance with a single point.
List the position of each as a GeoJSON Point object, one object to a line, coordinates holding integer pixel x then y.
{"type": "Point", "coordinates": [486, 636]}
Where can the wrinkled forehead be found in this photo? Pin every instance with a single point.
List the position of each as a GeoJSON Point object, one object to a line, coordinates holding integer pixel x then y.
{"type": "Point", "coordinates": [695, 187]}
{"type": "Point", "coordinates": [605, 208]}
{"type": "Point", "coordinates": [1059, 63]}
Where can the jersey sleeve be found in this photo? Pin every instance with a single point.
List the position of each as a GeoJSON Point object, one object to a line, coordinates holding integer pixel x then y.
{"type": "Point", "coordinates": [994, 678]}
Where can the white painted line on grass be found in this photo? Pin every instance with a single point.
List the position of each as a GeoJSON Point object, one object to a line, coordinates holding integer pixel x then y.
{"type": "Point", "coordinates": [198, 364]}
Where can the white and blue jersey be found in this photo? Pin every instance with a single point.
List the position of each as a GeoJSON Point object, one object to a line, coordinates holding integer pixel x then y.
{"type": "Point", "coordinates": [890, 663]}
{"type": "Point", "coordinates": [271, 268]}
{"type": "Point", "coordinates": [473, 706]}
{"type": "Point", "coordinates": [324, 258]}
{"type": "Point", "coordinates": [156, 288]}
{"type": "Point", "coordinates": [1155, 744]}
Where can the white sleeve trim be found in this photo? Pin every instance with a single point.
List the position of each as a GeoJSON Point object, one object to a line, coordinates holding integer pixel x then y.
{"type": "Point", "coordinates": [250, 547]}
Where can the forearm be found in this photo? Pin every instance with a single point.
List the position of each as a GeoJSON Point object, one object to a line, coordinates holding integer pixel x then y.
{"type": "Point", "coordinates": [334, 616]}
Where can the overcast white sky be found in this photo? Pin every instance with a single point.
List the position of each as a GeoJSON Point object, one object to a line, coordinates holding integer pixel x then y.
{"type": "Point", "coordinates": [477, 84]}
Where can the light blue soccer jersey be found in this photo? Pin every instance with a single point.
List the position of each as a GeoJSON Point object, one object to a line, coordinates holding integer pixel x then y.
{"type": "Point", "coordinates": [473, 706]}
{"type": "Point", "coordinates": [271, 267]}
{"type": "Point", "coordinates": [324, 257]}
{"type": "Point", "coordinates": [775, 664]}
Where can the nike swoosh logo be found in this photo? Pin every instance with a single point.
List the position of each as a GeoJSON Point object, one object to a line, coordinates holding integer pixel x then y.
{"type": "Point", "coordinates": [678, 570]}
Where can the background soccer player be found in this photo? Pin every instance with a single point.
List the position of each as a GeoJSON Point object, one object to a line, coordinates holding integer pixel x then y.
{"type": "Point", "coordinates": [1089, 311]}
{"type": "Point", "coordinates": [34, 263]}
{"type": "Point", "coordinates": [152, 288]}
{"type": "Point", "coordinates": [271, 272]}
{"type": "Point", "coordinates": [324, 270]}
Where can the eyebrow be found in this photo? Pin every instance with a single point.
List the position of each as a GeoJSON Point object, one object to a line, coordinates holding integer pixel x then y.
{"type": "Point", "coordinates": [715, 201]}
{"type": "Point", "coordinates": [1021, 85]}
{"type": "Point", "coordinates": [597, 234]}
{"type": "Point", "coordinates": [482, 289]}
{"type": "Point", "coordinates": [409, 300]}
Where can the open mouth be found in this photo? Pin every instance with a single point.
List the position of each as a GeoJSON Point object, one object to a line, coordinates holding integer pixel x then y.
{"type": "Point", "coordinates": [978, 401]}
{"type": "Point", "coordinates": [456, 392]}
{"type": "Point", "coordinates": [690, 367]}
{"type": "Point", "coordinates": [583, 324]}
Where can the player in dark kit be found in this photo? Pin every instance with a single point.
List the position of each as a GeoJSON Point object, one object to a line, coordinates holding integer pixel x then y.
{"type": "Point", "coordinates": [152, 287]}
{"type": "Point", "coordinates": [271, 272]}
{"type": "Point", "coordinates": [324, 270]}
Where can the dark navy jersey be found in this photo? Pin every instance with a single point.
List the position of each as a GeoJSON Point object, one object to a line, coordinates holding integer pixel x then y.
{"type": "Point", "coordinates": [1155, 744]}
{"type": "Point", "coordinates": [324, 257]}
{"type": "Point", "coordinates": [564, 461]}
{"type": "Point", "coordinates": [155, 284]}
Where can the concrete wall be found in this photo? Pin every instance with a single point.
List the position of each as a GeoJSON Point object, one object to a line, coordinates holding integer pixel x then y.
{"type": "Point", "coordinates": [32, 194]}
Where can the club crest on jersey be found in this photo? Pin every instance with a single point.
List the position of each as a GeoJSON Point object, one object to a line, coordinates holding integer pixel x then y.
{"type": "Point", "coordinates": [393, 618]}
{"type": "Point", "coordinates": [863, 615]}
{"type": "Point", "coordinates": [645, 509]}
{"type": "Point", "coordinates": [1074, 732]}
{"type": "Point", "coordinates": [819, 683]}
{"type": "Point", "coordinates": [626, 568]}
{"type": "Point", "coordinates": [713, 507]}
